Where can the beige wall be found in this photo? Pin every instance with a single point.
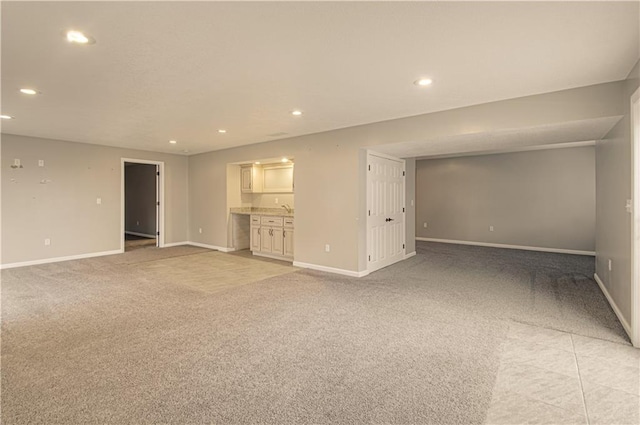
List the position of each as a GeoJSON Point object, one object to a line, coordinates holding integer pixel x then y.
{"type": "Point", "coordinates": [540, 198]}
{"type": "Point", "coordinates": [613, 186]}
{"type": "Point", "coordinates": [140, 198]}
{"type": "Point", "coordinates": [328, 198]}
{"type": "Point", "coordinates": [64, 209]}
{"type": "Point", "coordinates": [329, 201]}
{"type": "Point", "coordinates": [268, 200]}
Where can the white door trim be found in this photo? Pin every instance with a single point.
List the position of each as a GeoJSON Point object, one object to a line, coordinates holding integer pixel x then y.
{"type": "Point", "coordinates": [635, 217]}
{"type": "Point", "coordinates": [160, 227]}
{"type": "Point", "coordinates": [370, 153]}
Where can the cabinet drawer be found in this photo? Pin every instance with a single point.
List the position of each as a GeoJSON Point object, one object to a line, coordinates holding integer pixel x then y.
{"type": "Point", "coordinates": [271, 221]}
{"type": "Point", "coordinates": [288, 221]}
{"type": "Point", "coordinates": [255, 220]}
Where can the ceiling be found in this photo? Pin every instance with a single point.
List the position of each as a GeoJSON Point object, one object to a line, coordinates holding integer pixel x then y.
{"type": "Point", "coordinates": [565, 134]}
{"type": "Point", "coordinates": [183, 70]}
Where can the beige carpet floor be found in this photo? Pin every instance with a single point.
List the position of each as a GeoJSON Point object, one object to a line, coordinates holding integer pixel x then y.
{"type": "Point", "coordinates": [160, 336]}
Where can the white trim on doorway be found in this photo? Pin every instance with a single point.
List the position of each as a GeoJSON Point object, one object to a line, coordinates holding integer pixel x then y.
{"type": "Point", "coordinates": [160, 227]}
{"type": "Point", "coordinates": [635, 217]}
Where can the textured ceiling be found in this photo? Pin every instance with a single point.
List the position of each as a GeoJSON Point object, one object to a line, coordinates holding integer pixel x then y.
{"type": "Point", "coordinates": [182, 70]}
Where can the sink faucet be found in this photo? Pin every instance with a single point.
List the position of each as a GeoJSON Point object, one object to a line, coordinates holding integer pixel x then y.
{"type": "Point", "coordinates": [287, 207]}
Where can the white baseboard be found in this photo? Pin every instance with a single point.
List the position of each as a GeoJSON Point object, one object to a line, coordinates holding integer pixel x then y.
{"type": "Point", "coordinates": [409, 255]}
{"type": "Point", "coordinates": [169, 245]}
{"type": "Point", "coordinates": [144, 235]}
{"type": "Point", "coordinates": [273, 257]}
{"type": "Point", "coordinates": [330, 269]}
{"type": "Point", "coordinates": [59, 259]}
{"type": "Point", "coordinates": [204, 245]}
{"type": "Point", "coordinates": [500, 245]}
{"type": "Point", "coordinates": [615, 308]}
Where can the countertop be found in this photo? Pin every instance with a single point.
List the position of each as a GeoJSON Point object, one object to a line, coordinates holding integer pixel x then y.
{"type": "Point", "coordinates": [281, 212]}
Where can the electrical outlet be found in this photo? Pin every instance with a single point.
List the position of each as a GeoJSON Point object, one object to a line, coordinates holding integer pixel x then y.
{"type": "Point", "coordinates": [412, 202]}
{"type": "Point", "coordinates": [425, 225]}
{"type": "Point", "coordinates": [47, 242]}
{"type": "Point", "coordinates": [41, 163]}
{"type": "Point", "coordinates": [276, 200]}
{"type": "Point", "coordinates": [610, 265]}
{"type": "Point", "coordinates": [137, 223]}
{"type": "Point", "coordinates": [99, 201]}
{"type": "Point", "coordinates": [491, 228]}
{"type": "Point", "coordinates": [628, 206]}
{"type": "Point", "coordinates": [200, 230]}
{"type": "Point", "coordinates": [327, 248]}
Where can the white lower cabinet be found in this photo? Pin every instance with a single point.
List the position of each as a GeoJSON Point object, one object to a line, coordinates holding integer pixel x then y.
{"type": "Point", "coordinates": [255, 238]}
{"type": "Point", "coordinates": [268, 236]}
{"type": "Point", "coordinates": [288, 242]}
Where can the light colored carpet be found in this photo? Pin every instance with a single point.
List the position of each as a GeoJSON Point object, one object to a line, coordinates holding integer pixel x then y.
{"type": "Point", "coordinates": [122, 339]}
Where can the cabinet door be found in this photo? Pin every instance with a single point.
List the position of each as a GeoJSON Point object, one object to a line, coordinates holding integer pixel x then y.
{"type": "Point", "coordinates": [255, 238]}
{"type": "Point", "coordinates": [277, 243]}
{"type": "Point", "coordinates": [266, 239]}
{"type": "Point", "coordinates": [247, 179]}
{"type": "Point", "coordinates": [288, 242]}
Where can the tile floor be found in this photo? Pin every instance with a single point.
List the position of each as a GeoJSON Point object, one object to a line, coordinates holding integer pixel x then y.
{"type": "Point", "coordinates": [214, 271]}
{"type": "Point", "coordinates": [552, 377]}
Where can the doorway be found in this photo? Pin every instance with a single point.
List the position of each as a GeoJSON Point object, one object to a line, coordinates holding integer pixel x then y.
{"type": "Point", "coordinates": [633, 206]}
{"type": "Point", "coordinates": [385, 210]}
{"type": "Point", "coordinates": [142, 193]}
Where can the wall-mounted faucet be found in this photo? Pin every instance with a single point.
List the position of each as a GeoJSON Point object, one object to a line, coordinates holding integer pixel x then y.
{"type": "Point", "coordinates": [287, 207]}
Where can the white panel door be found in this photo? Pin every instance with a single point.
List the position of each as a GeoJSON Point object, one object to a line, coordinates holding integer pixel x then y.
{"type": "Point", "coordinates": [385, 209]}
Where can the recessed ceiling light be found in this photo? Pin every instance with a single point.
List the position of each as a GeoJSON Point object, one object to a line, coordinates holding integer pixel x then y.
{"type": "Point", "coordinates": [186, 151]}
{"type": "Point", "coordinates": [79, 38]}
{"type": "Point", "coordinates": [6, 117]}
{"type": "Point", "coordinates": [296, 113]}
{"type": "Point", "coordinates": [173, 142]}
{"type": "Point", "coordinates": [423, 82]}
{"type": "Point", "coordinates": [257, 162]}
{"type": "Point", "coordinates": [29, 91]}
{"type": "Point", "coordinates": [285, 160]}
{"type": "Point", "coordinates": [222, 131]}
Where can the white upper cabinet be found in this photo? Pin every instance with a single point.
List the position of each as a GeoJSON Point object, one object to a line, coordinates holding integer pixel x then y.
{"type": "Point", "coordinates": [251, 179]}
{"type": "Point", "coordinates": [277, 178]}
{"type": "Point", "coordinates": [269, 178]}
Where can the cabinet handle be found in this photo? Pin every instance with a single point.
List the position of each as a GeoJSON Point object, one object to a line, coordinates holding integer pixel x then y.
{"type": "Point", "coordinates": [284, 233]}
{"type": "Point", "coordinates": [271, 232]}
{"type": "Point", "coordinates": [258, 231]}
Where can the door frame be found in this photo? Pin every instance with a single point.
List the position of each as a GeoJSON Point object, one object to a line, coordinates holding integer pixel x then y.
{"type": "Point", "coordinates": [370, 153]}
{"type": "Point", "coordinates": [634, 113]}
{"type": "Point", "coordinates": [160, 227]}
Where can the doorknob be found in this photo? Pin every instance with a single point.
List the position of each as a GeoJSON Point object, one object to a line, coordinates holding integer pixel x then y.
{"type": "Point", "coordinates": [388, 219]}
